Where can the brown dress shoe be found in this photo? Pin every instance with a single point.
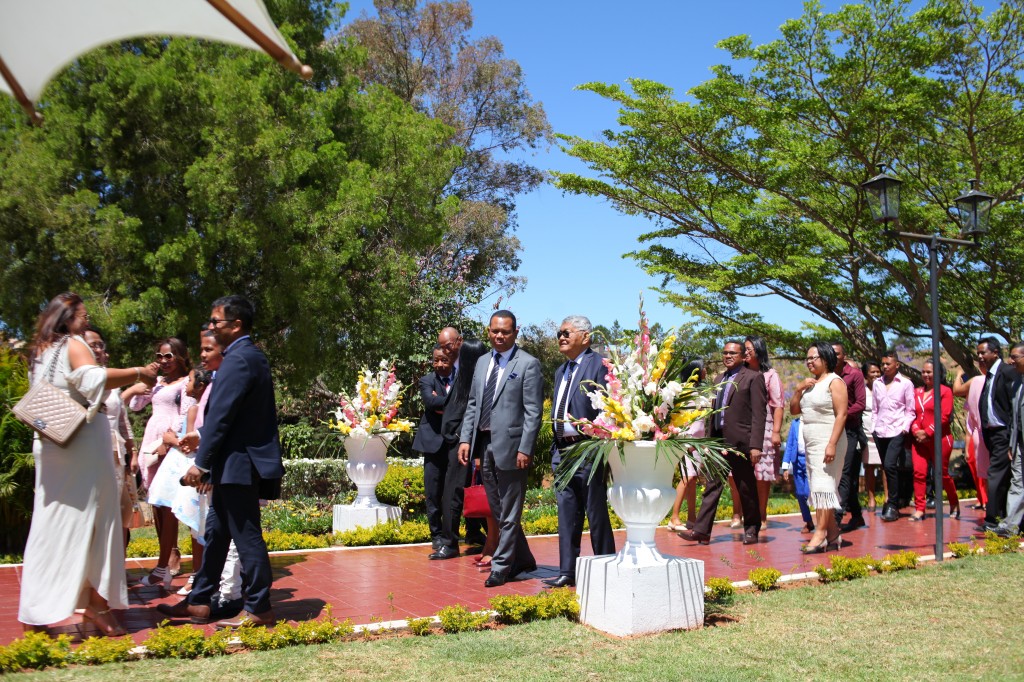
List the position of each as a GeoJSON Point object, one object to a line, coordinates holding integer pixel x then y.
{"type": "Point", "coordinates": [695, 536]}
{"type": "Point", "coordinates": [198, 613]}
{"type": "Point", "coordinates": [245, 619]}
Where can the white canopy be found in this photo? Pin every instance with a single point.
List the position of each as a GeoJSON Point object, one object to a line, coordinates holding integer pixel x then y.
{"type": "Point", "coordinates": [38, 38]}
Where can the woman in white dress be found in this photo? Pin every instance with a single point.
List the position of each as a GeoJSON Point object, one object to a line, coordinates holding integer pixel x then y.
{"type": "Point", "coordinates": [74, 557]}
{"type": "Point", "coordinates": [872, 462]}
{"type": "Point", "coordinates": [822, 403]}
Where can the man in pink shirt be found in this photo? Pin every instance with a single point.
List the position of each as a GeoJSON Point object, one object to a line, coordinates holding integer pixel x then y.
{"type": "Point", "coordinates": [894, 413]}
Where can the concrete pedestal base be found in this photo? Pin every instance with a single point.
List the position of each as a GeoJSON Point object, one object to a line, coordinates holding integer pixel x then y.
{"type": "Point", "coordinates": [351, 516]}
{"type": "Point", "coordinates": [624, 597]}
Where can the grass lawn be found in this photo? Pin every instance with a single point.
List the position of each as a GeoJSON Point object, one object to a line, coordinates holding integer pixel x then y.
{"type": "Point", "coordinates": [959, 620]}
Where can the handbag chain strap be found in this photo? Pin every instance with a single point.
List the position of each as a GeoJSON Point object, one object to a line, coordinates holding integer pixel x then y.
{"type": "Point", "coordinates": [51, 370]}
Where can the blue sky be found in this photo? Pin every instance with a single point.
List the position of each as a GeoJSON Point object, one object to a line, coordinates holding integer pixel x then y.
{"type": "Point", "coordinates": [573, 246]}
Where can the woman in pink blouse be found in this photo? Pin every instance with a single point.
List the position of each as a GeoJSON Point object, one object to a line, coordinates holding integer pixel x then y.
{"type": "Point", "coordinates": [756, 358]}
{"type": "Point", "coordinates": [893, 394]}
{"type": "Point", "coordinates": [923, 430]}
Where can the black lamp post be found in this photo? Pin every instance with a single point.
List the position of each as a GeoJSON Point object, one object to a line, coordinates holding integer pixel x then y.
{"type": "Point", "coordinates": [883, 192]}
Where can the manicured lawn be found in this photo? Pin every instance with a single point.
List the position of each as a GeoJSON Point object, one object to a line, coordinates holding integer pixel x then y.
{"type": "Point", "coordinates": [955, 621]}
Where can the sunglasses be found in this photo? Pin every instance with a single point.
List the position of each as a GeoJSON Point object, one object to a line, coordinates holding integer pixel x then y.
{"type": "Point", "coordinates": [164, 356]}
{"type": "Point", "coordinates": [563, 334]}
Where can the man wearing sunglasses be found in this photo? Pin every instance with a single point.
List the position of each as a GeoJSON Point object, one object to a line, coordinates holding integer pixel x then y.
{"type": "Point", "coordinates": [741, 407]}
{"type": "Point", "coordinates": [239, 458]}
{"type": "Point", "coordinates": [584, 497]}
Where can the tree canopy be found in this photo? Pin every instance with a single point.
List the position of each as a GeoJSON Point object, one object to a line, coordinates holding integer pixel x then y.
{"type": "Point", "coordinates": [173, 171]}
{"type": "Point", "coordinates": [753, 181]}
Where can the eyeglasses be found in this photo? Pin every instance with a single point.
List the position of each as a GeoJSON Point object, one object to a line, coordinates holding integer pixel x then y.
{"type": "Point", "coordinates": [1015, 358]}
{"type": "Point", "coordinates": [812, 358]}
{"type": "Point", "coordinates": [730, 352]}
{"type": "Point", "coordinates": [164, 356]}
{"type": "Point", "coordinates": [98, 345]}
{"type": "Point", "coordinates": [213, 321]}
{"type": "Point", "coordinates": [564, 333]}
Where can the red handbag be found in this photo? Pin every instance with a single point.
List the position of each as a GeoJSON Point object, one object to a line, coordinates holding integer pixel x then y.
{"type": "Point", "coordinates": [474, 502]}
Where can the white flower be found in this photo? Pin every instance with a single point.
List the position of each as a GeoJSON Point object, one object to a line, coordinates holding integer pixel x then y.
{"type": "Point", "coordinates": [671, 390]}
{"type": "Point", "coordinates": [650, 388]}
{"type": "Point", "coordinates": [643, 423]}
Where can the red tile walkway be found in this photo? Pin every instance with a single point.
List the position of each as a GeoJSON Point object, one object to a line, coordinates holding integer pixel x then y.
{"type": "Point", "coordinates": [394, 583]}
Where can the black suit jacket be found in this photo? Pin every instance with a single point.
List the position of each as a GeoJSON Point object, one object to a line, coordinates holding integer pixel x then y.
{"type": "Point", "coordinates": [745, 412]}
{"type": "Point", "coordinates": [591, 369]}
{"type": "Point", "coordinates": [1002, 392]}
{"type": "Point", "coordinates": [428, 435]}
{"type": "Point", "coordinates": [239, 443]}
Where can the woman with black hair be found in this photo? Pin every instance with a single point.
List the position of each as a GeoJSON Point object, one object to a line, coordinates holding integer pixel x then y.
{"type": "Point", "coordinates": [756, 358]}
{"type": "Point", "coordinates": [170, 405]}
{"type": "Point", "coordinates": [923, 431]}
{"type": "Point", "coordinates": [822, 400]}
{"type": "Point", "coordinates": [457, 475]}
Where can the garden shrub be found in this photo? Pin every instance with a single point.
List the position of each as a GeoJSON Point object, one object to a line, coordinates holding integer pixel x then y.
{"type": "Point", "coordinates": [513, 609]}
{"type": "Point", "coordinates": [299, 514]}
{"type": "Point", "coordinates": [402, 487]}
{"type": "Point", "coordinates": [458, 618]}
{"type": "Point", "coordinates": [900, 561]}
{"type": "Point", "coordinates": [143, 547]}
{"type": "Point", "coordinates": [391, 533]}
{"type": "Point", "coordinates": [35, 650]}
{"type": "Point", "coordinates": [303, 440]}
{"type": "Point", "coordinates": [545, 525]}
{"type": "Point", "coordinates": [324, 479]}
{"type": "Point", "coordinates": [99, 650]}
{"type": "Point", "coordinates": [17, 466]}
{"type": "Point", "coordinates": [962, 549]}
{"type": "Point", "coordinates": [844, 568]}
{"type": "Point", "coordinates": [997, 545]}
{"type": "Point", "coordinates": [764, 579]}
{"type": "Point", "coordinates": [421, 627]}
{"type": "Point", "coordinates": [279, 541]}
{"type": "Point", "coordinates": [259, 638]}
{"type": "Point", "coordinates": [183, 641]}
{"type": "Point", "coordinates": [540, 467]}
{"type": "Point", "coordinates": [719, 591]}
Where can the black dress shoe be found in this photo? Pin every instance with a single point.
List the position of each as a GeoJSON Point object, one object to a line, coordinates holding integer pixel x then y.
{"type": "Point", "coordinates": [853, 524]}
{"type": "Point", "coordinates": [560, 581]}
{"type": "Point", "coordinates": [445, 552]}
{"type": "Point", "coordinates": [495, 579]}
{"type": "Point", "coordinates": [890, 514]}
{"type": "Point", "coordinates": [930, 504]}
{"type": "Point", "coordinates": [750, 537]}
{"type": "Point", "coordinates": [985, 527]}
{"type": "Point", "coordinates": [695, 536]}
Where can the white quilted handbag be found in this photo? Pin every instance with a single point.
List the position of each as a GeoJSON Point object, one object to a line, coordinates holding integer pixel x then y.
{"type": "Point", "coordinates": [49, 410]}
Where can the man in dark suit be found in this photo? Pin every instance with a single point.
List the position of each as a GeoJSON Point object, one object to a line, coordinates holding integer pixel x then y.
{"type": "Point", "coordinates": [996, 409]}
{"type": "Point", "coordinates": [581, 498]}
{"type": "Point", "coordinates": [239, 460]}
{"type": "Point", "coordinates": [434, 389]}
{"type": "Point", "coordinates": [1011, 523]}
{"type": "Point", "coordinates": [502, 421]}
{"type": "Point", "coordinates": [741, 406]}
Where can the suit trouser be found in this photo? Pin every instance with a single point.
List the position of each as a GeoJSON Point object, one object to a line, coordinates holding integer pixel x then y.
{"type": "Point", "coordinates": [849, 484]}
{"type": "Point", "coordinates": [889, 451]}
{"type": "Point", "coordinates": [1015, 497]}
{"type": "Point", "coordinates": [451, 500]}
{"type": "Point", "coordinates": [235, 515]}
{"type": "Point", "coordinates": [743, 475]}
{"type": "Point", "coordinates": [997, 440]}
{"type": "Point", "coordinates": [582, 499]}
{"type": "Point", "coordinates": [506, 492]}
{"type": "Point", "coordinates": [435, 469]}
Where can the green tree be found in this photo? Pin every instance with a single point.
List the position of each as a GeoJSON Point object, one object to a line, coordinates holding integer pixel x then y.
{"type": "Point", "coordinates": [753, 181]}
{"type": "Point", "coordinates": [172, 171]}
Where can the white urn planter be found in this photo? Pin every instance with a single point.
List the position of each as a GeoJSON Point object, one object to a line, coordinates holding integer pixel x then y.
{"type": "Point", "coordinates": [367, 463]}
{"type": "Point", "coordinates": [639, 590]}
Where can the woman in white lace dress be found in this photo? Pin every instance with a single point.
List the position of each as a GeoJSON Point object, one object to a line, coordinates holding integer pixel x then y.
{"type": "Point", "coordinates": [74, 557]}
{"type": "Point", "coordinates": [822, 402]}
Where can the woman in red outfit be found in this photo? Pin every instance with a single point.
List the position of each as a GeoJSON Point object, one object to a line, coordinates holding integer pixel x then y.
{"type": "Point", "coordinates": [923, 430]}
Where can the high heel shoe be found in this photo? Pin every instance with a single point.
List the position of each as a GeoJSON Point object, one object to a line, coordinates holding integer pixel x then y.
{"type": "Point", "coordinates": [105, 622]}
{"type": "Point", "coordinates": [954, 513]}
{"type": "Point", "coordinates": [834, 545]}
{"type": "Point", "coordinates": [158, 576]}
{"type": "Point", "coordinates": [174, 562]}
{"type": "Point", "coordinates": [736, 523]}
{"type": "Point", "coordinates": [916, 518]}
{"type": "Point", "coordinates": [815, 549]}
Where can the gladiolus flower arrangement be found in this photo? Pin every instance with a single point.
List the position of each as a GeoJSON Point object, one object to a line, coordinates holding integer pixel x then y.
{"type": "Point", "coordinates": [374, 407]}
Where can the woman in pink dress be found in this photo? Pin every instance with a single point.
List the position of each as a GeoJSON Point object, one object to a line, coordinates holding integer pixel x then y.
{"type": "Point", "coordinates": [756, 358]}
{"type": "Point", "coordinates": [169, 406]}
{"type": "Point", "coordinates": [977, 452]}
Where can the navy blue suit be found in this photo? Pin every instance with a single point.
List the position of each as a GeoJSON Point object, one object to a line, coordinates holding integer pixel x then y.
{"type": "Point", "coordinates": [239, 447]}
{"type": "Point", "coordinates": [581, 498]}
{"type": "Point", "coordinates": [430, 442]}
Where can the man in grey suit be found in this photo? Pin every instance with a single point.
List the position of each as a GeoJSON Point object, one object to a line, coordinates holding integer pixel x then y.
{"type": "Point", "coordinates": [502, 421]}
{"type": "Point", "coordinates": [1010, 525]}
